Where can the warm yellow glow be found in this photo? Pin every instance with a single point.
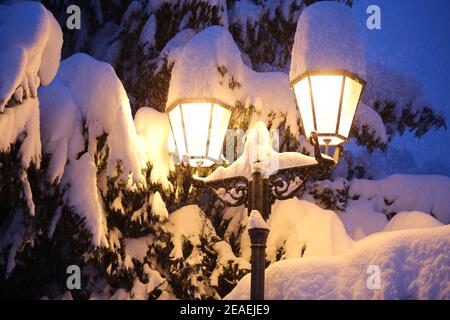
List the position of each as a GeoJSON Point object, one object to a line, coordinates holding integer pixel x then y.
{"type": "Point", "coordinates": [327, 104]}
{"type": "Point", "coordinates": [352, 92]}
{"type": "Point", "coordinates": [219, 125]}
{"type": "Point", "coordinates": [199, 130]}
{"type": "Point", "coordinates": [177, 130]}
{"type": "Point", "coordinates": [326, 97]}
{"type": "Point", "coordinates": [303, 95]}
{"type": "Point", "coordinates": [196, 124]}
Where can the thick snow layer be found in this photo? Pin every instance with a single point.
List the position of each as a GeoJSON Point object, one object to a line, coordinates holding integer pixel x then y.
{"type": "Point", "coordinates": [174, 46]}
{"type": "Point", "coordinates": [256, 221]}
{"type": "Point", "coordinates": [361, 219]}
{"type": "Point", "coordinates": [22, 122]}
{"type": "Point", "coordinates": [225, 256]}
{"type": "Point", "coordinates": [366, 116]}
{"type": "Point", "coordinates": [398, 193]}
{"type": "Point", "coordinates": [413, 264]}
{"type": "Point", "coordinates": [147, 37]}
{"type": "Point", "coordinates": [327, 38]}
{"type": "Point", "coordinates": [302, 229]}
{"type": "Point", "coordinates": [259, 155]}
{"type": "Point", "coordinates": [244, 11]}
{"type": "Point", "coordinates": [158, 206]}
{"type": "Point", "coordinates": [82, 195]}
{"type": "Point", "coordinates": [211, 66]}
{"type": "Point", "coordinates": [87, 94]}
{"type": "Point", "coordinates": [153, 131]}
{"type": "Point", "coordinates": [384, 85]}
{"type": "Point", "coordinates": [137, 248]}
{"type": "Point", "coordinates": [187, 223]}
{"type": "Point", "coordinates": [31, 42]}
{"type": "Point", "coordinates": [411, 220]}
{"type": "Point", "coordinates": [85, 101]}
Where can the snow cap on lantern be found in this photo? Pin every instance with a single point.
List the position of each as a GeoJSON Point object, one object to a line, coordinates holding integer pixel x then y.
{"type": "Point", "coordinates": [198, 100]}
{"type": "Point", "coordinates": [327, 70]}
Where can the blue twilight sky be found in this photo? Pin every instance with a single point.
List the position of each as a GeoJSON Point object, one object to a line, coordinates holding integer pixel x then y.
{"type": "Point", "coordinates": [415, 39]}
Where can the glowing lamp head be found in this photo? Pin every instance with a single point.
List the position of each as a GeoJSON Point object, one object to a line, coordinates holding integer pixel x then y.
{"type": "Point", "coordinates": [199, 128]}
{"type": "Point", "coordinates": [327, 101]}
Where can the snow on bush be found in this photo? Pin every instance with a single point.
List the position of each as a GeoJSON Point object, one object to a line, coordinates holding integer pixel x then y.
{"type": "Point", "coordinates": [361, 219]}
{"type": "Point", "coordinates": [154, 132]}
{"type": "Point", "coordinates": [87, 95]}
{"type": "Point", "coordinates": [406, 193]}
{"type": "Point", "coordinates": [301, 229]}
{"type": "Point", "coordinates": [81, 176]}
{"type": "Point", "coordinates": [191, 231]}
{"type": "Point", "coordinates": [367, 117]}
{"type": "Point", "coordinates": [327, 38]}
{"type": "Point", "coordinates": [411, 220]}
{"type": "Point", "coordinates": [245, 11]}
{"type": "Point", "coordinates": [84, 102]}
{"type": "Point", "coordinates": [211, 66]}
{"type": "Point", "coordinates": [22, 123]}
{"type": "Point", "coordinates": [414, 264]}
{"type": "Point", "coordinates": [31, 42]}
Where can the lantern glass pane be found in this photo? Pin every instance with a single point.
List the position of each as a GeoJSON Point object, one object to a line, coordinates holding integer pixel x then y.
{"type": "Point", "coordinates": [326, 92]}
{"type": "Point", "coordinates": [303, 95]}
{"type": "Point", "coordinates": [219, 126]}
{"type": "Point", "coordinates": [196, 124]}
{"type": "Point", "coordinates": [352, 92]}
{"type": "Point", "coordinates": [177, 130]}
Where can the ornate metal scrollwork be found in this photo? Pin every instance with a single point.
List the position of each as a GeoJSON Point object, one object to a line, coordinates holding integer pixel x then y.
{"type": "Point", "coordinates": [233, 192]}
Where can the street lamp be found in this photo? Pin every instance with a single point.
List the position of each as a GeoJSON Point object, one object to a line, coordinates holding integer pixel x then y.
{"type": "Point", "coordinates": [327, 92]}
{"type": "Point", "coordinates": [327, 101]}
{"type": "Point", "coordinates": [199, 128]}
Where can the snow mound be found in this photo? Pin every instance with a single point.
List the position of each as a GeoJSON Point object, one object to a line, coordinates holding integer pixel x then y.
{"type": "Point", "coordinates": [211, 66]}
{"type": "Point", "coordinates": [413, 264]}
{"type": "Point", "coordinates": [361, 219]}
{"type": "Point", "coordinates": [298, 229]}
{"type": "Point", "coordinates": [31, 42]}
{"type": "Point", "coordinates": [87, 94]}
{"type": "Point", "coordinates": [398, 193]}
{"type": "Point", "coordinates": [327, 38]}
{"type": "Point", "coordinates": [411, 220]}
{"type": "Point", "coordinates": [259, 155]}
{"type": "Point", "coordinates": [154, 132]}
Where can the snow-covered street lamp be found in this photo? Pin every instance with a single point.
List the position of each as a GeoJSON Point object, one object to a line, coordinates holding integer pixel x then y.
{"type": "Point", "coordinates": [327, 71]}
{"type": "Point", "coordinates": [199, 128]}
{"type": "Point", "coordinates": [327, 102]}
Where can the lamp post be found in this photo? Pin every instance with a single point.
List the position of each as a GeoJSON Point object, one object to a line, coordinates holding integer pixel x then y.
{"type": "Point", "coordinates": [327, 93]}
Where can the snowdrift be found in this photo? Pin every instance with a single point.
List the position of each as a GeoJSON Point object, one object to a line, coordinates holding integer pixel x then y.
{"type": "Point", "coordinates": [414, 264]}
